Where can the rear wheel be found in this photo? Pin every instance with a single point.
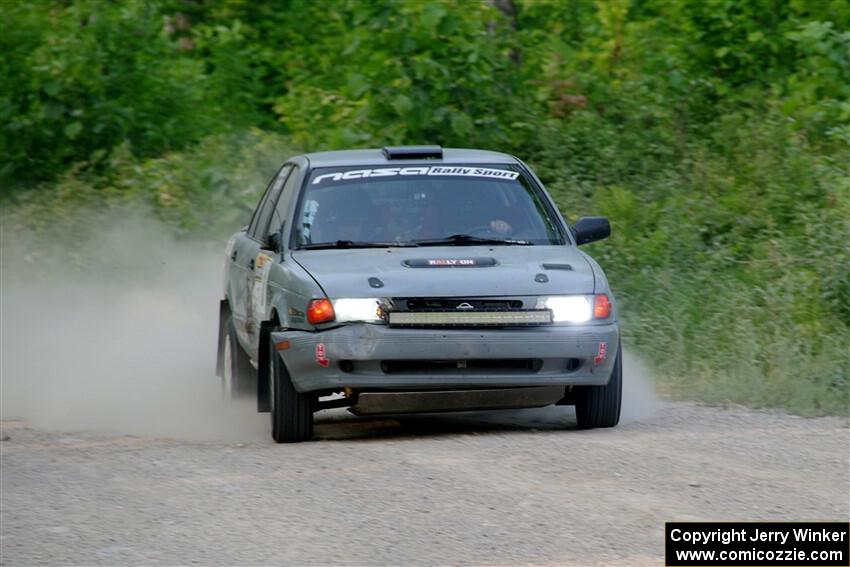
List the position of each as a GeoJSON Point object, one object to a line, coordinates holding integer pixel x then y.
{"type": "Point", "coordinates": [238, 378]}
{"type": "Point", "coordinates": [599, 406]}
{"type": "Point", "coordinates": [291, 411]}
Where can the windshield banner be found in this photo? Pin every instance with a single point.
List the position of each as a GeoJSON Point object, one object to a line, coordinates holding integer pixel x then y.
{"type": "Point", "coordinates": [418, 170]}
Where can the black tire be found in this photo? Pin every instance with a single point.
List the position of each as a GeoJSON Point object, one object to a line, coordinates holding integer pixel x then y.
{"type": "Point", "coordinates": [238, 379]}
{"type": "Point", "coordinates": [599, 406]}
{"type": "Point", "coordinates": [291, 412]}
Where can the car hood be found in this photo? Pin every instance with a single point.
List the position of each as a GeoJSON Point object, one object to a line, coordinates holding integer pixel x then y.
{"type": "Point", "coordinates": [450, 271]}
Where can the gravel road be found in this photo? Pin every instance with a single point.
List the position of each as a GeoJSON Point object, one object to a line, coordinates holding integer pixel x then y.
{"type": "Point", "coordinates": [124, 454]}
{"type": "Point", "coordinates": [492, 489]}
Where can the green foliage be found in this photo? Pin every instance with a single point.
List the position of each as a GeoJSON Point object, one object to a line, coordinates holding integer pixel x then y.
{"type": "Point", "coordinates": [405, 71]}
{"type": "Point", "coordinates": [742, 288]}
{"type": "Point", "coordinates": [82, 79]}
{"type": "Point", "coordinates": [715, 134]}
{"type": "Point", "coordinates": [204, 192]}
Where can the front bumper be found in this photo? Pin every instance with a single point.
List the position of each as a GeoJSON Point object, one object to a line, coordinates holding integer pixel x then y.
{"type": "Point", "coordinates": [357, 356]}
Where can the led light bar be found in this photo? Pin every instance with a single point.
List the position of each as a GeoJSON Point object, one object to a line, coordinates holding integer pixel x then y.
{"type": "Point", "coordinates": [468, 318]}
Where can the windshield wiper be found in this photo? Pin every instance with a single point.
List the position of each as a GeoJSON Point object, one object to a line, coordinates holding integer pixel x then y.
{"type": "Point", "coordinates": [453, 240]}
{"type": "Point", "coordinates": [469, 240]}
{"type": "Point", "coordinates": [354, 244]}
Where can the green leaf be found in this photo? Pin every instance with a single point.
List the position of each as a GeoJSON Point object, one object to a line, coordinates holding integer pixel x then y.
{"type": "Point", "coordinates": [461, 123]}
{"type": "Point", "coordinates": [402, 104]}
{"type": "Point", "coordinates": [52, 88]}
{"type": "Point", "coordinates": [431, 15]}
{"type": "Point", "coordinates": [73, 130]}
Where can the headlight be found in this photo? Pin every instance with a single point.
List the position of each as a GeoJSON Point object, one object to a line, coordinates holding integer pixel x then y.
{"type": "Point", "coordinates": [567, 308]}
{"type": "Point", "coordinates": [351, 309]}
{"type": "Point", "coordinates": [576, 308]}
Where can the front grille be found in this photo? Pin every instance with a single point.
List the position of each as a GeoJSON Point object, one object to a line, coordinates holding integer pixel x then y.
{"type": "Point", "coordinates": [465, 312]}
{"type": "Point", "coordinates": [499, 366]}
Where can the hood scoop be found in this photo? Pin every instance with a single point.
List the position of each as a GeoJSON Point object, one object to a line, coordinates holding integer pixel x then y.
{"type": "Point", "coordinates": [480, 262]}
{"type": "Point", "coordinates": [566, 267]}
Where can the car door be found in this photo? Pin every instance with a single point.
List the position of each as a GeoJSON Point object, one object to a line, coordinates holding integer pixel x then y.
{"type": "Point", "coordinates": [260, 260]}
{"type": "Point", "coordinates": [243, 256]}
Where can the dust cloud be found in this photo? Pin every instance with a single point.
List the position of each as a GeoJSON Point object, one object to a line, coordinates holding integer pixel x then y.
{"type": "Point", "coordinates": [639, 398]}
{"type": "Point", "coordinates": [126, 345]}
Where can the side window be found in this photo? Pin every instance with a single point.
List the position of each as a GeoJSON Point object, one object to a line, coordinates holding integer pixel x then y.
{"type": "Point", "coordinates": [287, 195]}
{"type": "Point", "coordinates": [277, 204]}
{"type": "Point", "coordinates": [262, 216]}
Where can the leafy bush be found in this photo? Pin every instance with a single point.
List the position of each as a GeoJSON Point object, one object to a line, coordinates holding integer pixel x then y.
{"type": "Point", "coordinates": [83, 79]}
{"type": "Point", "coordinates": [204, 194]}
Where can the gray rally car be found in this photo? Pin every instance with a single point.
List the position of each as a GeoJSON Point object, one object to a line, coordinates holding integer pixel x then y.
{"type": "Point", "coordinates": [415, 279]}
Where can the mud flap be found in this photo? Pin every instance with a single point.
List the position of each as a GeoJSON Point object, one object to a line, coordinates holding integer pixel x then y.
{"type": "Point", "coordinates": [266, 328]}
{"type": "Point", "coordinates": [223, 311]}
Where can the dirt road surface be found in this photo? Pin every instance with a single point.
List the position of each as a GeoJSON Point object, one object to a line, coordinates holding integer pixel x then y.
{"type": "Point", "coordinates": [117, 449]}
{"type": "Point", "coordinates": [489, 489]}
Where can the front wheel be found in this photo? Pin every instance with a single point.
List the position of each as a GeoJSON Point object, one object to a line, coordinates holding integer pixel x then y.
{"type": "Point", "coordinates": [291, 411]}
{"type": "Point", "coordinates": [599, 406]}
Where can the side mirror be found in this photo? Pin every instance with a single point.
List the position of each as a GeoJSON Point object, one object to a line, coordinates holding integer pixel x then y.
{"type": "Point", "coordinates": [591, 229]}
{"type": "Point", "coordinates": [272, 242]}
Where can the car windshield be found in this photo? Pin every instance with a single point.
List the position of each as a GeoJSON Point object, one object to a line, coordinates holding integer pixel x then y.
{"type": "Point", "coordinates": [421, 206]}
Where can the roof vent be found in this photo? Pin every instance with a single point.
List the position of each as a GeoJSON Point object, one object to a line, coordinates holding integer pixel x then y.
{"type": "Point", "coordinates": [413, 152]}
